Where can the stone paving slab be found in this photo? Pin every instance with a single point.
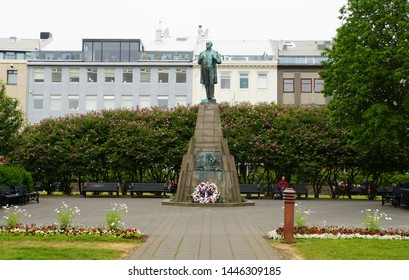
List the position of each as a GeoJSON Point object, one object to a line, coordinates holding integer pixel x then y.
{"type": "Point", "coordinates": [198, 233]}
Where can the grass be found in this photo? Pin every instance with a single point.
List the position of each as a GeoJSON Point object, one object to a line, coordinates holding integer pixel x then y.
{"type": "Point", "coordinates": [65, 248]}
{"type": "Point", "coordinates": [348, 249]}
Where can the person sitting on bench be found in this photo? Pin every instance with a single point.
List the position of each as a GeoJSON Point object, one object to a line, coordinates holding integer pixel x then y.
{"type": "Point", "coordinates": [282, 185]}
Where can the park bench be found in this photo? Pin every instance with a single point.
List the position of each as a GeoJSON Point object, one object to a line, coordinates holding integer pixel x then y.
{"type": "Point", "coordinates": [404, 198]}
{"type": "Point", "coordinates": [348, 191]}
{"type": "Point", "coordinates": [391, 195]}
{"type": "Point", "coordinates": [8, 196]}
{"type": "Point", "coordinates": [275, 192]}
{"type": "Point", "coordinates": [99, 187]}
{"type": "Point", "coordinates": [300, 189]}
{"type": "Point", "coordinates": [27, 193]}
{"type": "Point", "coordinates": [249, 189]}
{"type": "Point", "coordinates": [140, 188]}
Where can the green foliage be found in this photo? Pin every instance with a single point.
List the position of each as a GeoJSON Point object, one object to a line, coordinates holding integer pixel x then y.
{"type": "Point", "coordinates": [373, 218]}
{"type": "Point", "coordinates": [114, 216]}
{"type": "Point", "coordinates": [65, 215]}
{"type": "Point", "coordinates": [267, 141]}
{"type": "Point", "coordinates": [301, 215]}
{"type": "Point", "coordinates": [11, 120]}
{"type": "Point", "coordinates": [10, 175]}
{"type": "Point", "coordinates": [113, 145]}
{"type": "Point", "coordinates": [14, 216]}
{"type": "Point", "coordinates": [294, 141]}
{"type": "Point", "coordinates": [366, 75]}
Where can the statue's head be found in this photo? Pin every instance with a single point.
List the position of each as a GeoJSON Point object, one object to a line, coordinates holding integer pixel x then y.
{"type": "Point", "coordinates": [209, 44]}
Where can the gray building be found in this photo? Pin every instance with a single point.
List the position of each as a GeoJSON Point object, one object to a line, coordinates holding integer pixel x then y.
{"type": "Point", "coordinates": [298, 72]}
{"type": "Point", "coordinates": [106, 74]}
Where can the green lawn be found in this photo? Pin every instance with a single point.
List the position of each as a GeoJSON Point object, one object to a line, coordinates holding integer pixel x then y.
{"type": "Point", "coordinates": [65, 248]}
{"type": "Point", "coordinates": [351, 249]}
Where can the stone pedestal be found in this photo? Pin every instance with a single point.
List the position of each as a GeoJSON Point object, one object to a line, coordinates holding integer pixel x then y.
{"type": "Point", "coordinates": [208, 158]}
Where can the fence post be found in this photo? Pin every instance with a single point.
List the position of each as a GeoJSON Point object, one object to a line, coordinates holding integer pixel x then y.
{"type": "Point", "coordinates": [289, 201]}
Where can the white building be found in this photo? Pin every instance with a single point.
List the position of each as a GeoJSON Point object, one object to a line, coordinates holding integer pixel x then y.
{"type": "Point", "coordinates": [248, 72]}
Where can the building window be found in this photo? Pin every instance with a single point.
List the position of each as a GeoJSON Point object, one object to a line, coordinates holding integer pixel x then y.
{"type": "Point", "coordinates": [38, 100]}
{"type": "Point", "coordinates": [111, 51]}
{"type": "Point", "coordinates": [74, 75]}
{"type": "Point", "coordinates": [134, 51]}
{"type": "Point", "coordinates": [55, 102]}
{"type": "Point", "coordinates": [144, 101]}
{"type": "Point", "coordinates": [163, 101]}
{"type": "Point", "coordinates": [127, 75]}
{"type": "Point", "coordinates": [10, 56]}
{"type": "Point", "coordinates": [11, 77]}
{"type": "Point", "coordinates": [39, 75]}
{"type": "Point", "coordinates": [262, 81]}
{"type": "Point", "coordinates": [126, 101]}
{"type": "Point", "coordinates": [109, 75]}
{"type": "Point", "coordinates": [73, 102]}
{"type": "Point", "coordinates": [181, 100]}
{"type": "Point", "coordinates": [97, 51]}
{"type": "Point", "coordinates": [145, 75]}
{"type": "Point", "coordinates": [92, 75]}
{"type": "Point", "coordinates": [318, 85]}
{"type": "Point", "coordinates": [163, 75]}
{"type": "Point", "coordinates": [125, 52]}
{"type": "Point", "coordinates": [244, 81]}
{"type": "Point", "coordinates": [180, 75]}
{"type": "Point", "coordinates": [288, 85]}
{"type": "Point", "coordinates": [306, 85]}
{"type": "Point", "coordinates": [91, 102]}
{"type": "Point", "coordinates": [109, 102]}
{"type": "Point", "coordinates": [56, 75]}
{"type": "Point", "coordinates": [225, 81]}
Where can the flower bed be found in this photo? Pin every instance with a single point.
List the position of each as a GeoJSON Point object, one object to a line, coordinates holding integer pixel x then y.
{"type": "Point", "coordinates": [54, 230]}
{"type": "Point", "coordinates": [333, 232]}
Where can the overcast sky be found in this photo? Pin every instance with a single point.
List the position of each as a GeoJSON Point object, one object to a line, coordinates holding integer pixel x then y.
{"type": "Point", "coordinates": [225, 19]}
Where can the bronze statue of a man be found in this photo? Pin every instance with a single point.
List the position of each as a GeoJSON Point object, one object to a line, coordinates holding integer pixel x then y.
{"type": "Point", "coordinates": [208, 74]}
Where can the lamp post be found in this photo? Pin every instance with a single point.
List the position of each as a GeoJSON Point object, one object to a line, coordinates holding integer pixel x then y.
{"type": "Point", "coordinates": [289, 201]}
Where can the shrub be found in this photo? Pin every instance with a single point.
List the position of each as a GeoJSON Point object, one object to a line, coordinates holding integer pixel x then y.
{"type": "Point", "coordinates": [114, 216]}
{"type": "Point", "coordinates": [10, 175]}
{"type": "Point", "coordinates": [65, 215]}
{"type": "Point", "coordinates": [14, 216]}
{"type": "Point", "coordinates": [372, 218]}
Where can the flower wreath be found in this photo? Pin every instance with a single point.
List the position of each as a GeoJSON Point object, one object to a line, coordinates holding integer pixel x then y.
{"type": "Point", "coordinates": [206, 193]}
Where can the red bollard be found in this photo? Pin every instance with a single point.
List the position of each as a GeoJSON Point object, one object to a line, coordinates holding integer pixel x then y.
{"type": "Point", "coordinates": [289, 201]}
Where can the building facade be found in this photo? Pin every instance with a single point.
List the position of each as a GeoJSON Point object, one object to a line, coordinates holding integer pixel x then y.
{"type": "Point", "coordinates": [248, 72]}
{"type": "Point", "coordinates": [14, 54]}
{"type": "Point", "coordinates": [52, 81]}
{"type": "Point", "coordinates": [113, 74]}
{"type": "Point", "coordinates": [298, 77]}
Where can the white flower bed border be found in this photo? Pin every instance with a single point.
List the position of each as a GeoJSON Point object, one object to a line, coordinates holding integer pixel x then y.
{"type": "Point", "coordinates": [276, 236]}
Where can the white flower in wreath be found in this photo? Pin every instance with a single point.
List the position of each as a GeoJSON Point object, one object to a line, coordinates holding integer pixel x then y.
{"type": "Point", "coordinates": [206, 193]}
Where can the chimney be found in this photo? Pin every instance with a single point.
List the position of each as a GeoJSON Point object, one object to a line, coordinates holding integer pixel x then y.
{"type": "Point", "coordinates": [45, 35]}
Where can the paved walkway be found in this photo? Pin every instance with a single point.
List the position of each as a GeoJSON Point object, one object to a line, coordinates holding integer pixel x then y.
{"type": "Point", "coordinates": [197, 233]}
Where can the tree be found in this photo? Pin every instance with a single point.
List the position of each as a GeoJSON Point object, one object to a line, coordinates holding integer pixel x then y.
{"type": "Point", "coordinates": [11, 120]}
{"type": "Point", "coordinates": [367, 76]}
